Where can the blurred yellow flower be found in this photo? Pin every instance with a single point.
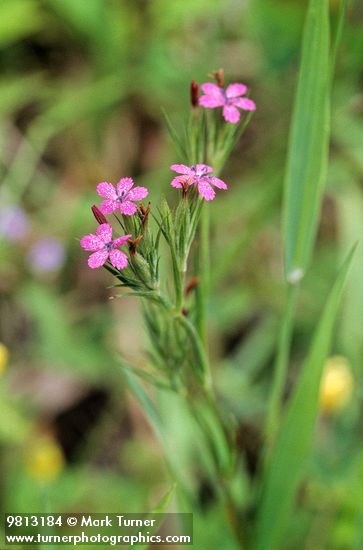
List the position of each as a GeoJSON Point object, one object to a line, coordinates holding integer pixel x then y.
{"type": "Point", "coordinates": [4, 357]}
{"type": "Point", "coordinates": [336, 385]}
{"type": "Point", "coordinates": [44, 460]}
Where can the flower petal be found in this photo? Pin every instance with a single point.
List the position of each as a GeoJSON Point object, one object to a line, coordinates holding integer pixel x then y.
{"type": "Point", "coordinates": [124, 185]}
{"type": "Point", "coordinates": [177, 182]}
{"type": "Point", "coordinates": [206, 190]}
{"type": "Point", "coordinates": [97, 259]}
{"type": "Point", "coordinates": [104, 232]}
{"type": "Point", "coordinates": [118, 259]}
{"type": "Point", "coordinates": [120, 241]}
{"type": "Point", "coordinates": [235, 90]}
{"type": "Point", "coordinates": [180, 168]}
{"type": "Point", "coordinates": [108, 206]}
{"type": "Point", "coordinates": [91, 242]}
{"type": "Point", "coordinates": [231, 114]}
{"type": "Point", "coordinates": [107, 190]}
{"type": "Point", "coordinates": [138, 193]}
{"type": "Point", "coordinates": [212, 102]}
{"type": "Point", "coordinates": [217, 182]}
{"type": "Point", "coordinates": [209, 88]}
{"type": "Point", "coordinates": [127, 208]}
{"type": "Point", "coordinates": [214, 96]}
{"type": "Point", "coordinates": [245, 103]}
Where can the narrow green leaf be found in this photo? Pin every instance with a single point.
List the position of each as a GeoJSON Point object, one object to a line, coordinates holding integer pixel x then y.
{"type": "Point", "coordinates": [308, 143]}
{"type": "Point", "coordinates": [293, 445]}
{"type": "Point", "coordinates": [160, 508]}
{"type": "Point", "coordinates": [179, 146]}
{"type": "Point", "coordinates": [150, 378]}
{"type": "Point", "coordinates": [164, 502]}
{"type": "Point", "coordinates": [338, 33]}
{"type": "Point", "coordinates": [145, 401]}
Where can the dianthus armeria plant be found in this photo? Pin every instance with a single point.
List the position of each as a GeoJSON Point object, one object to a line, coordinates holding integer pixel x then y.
{"type": "Point", "coordinates": [259, 508]}
{"type": "Point", "coordinates": [127, 243]}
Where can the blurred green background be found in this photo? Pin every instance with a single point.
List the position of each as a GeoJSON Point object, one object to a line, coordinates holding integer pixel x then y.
{"type": "Point", "coordinates": [82, 89]}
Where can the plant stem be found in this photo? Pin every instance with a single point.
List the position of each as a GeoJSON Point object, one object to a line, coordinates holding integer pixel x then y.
{"type": "Point", "coordinates": [198, 349]}
{"type": "Point", "coordinates": [207, 416]}
{"type": "Point", "coordinates": [281, 364]}
{"type": "Point", "coordinates": [204, 267]}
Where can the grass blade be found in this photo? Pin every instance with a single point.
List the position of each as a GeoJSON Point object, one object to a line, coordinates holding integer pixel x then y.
{"type": "Point", "coordinates": [160, 508]}
{"type": "Point", "coordinates": [284, 471]}
{"type": "Point", "coordinates": [308, 143]}
{"type": "Point", "coordinates": [338, 33]}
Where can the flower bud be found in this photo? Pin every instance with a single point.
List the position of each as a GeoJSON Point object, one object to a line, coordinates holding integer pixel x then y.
{"type": "Point", "coordinates": [218, 77]}
{"type": "Point", "coordinates": [98, 215]}
{"type": "Point", "coordinates": [336, 385]}
{"type": "Point", "coordinates": [133, 244]}
{"type": "Point", "coordinates": [143, 213]}
{"type": "Point", "coordinates": [194, 93]}
{"type": "Point", "coordinates": [141, 269]}
{"type": "Point", "coordinates": [193, 283]}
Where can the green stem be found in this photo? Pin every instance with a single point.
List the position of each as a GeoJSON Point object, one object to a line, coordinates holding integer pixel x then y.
{"type": "Point", "coordinates": [198, 348]}
{"type": "Point", "coordinates": [204, 269]}
{"type": "Point", "coordinates": [179, 290]}
{"type": "Point", "coordinates": [281, 364]}
{"type": "Point", "coordinates": [214, 430]}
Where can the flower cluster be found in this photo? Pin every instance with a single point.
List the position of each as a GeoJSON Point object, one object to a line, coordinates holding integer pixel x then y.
{"type": "Point", "coordinates": [122, 198]}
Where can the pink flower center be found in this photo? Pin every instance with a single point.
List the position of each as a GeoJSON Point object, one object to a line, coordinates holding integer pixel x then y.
{"type": "Point", "coordinates": [121, 197]}
{"type": "Point", "coordinates": [198, 172]}
{"type": "Point", "coordinates": [108, 246]}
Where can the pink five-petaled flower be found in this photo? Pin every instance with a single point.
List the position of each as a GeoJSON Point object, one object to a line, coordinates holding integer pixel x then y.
{"type": "Point", "coordinates": [120, 198]}
{"type": "Point", "coordinates": [197, 175]}
{"type": "Point", "coordinates": [104, 247]}
{"type": "Point", "coordinates": [229, 99]}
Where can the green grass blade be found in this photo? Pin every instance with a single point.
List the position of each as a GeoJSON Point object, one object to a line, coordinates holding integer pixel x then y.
{"type": "Point", "coordinates": [178, 143]}
{"type": "Point", "coordinates": [291, 452]}
{"type": "Point", "coordinates": [338, 33]}
{"type": "Point", "coordinates": [160, 508]}
{"type": "Point", "coordinates": [308, 143]}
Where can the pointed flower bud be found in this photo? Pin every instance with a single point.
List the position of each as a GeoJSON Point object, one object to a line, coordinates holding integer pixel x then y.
{"type": "Point", "coordinates": [219, 77]}
{"type": "Point", "coordinates": [194, 93]}
{"type": "Point", "coordinates": [101, 218]}
{"type": "Point", "coordinates": [143, 213]}
{"type": "Point", "coordinates": [133, 243]}
{"type": "Point", "coordinates": [193, 283]}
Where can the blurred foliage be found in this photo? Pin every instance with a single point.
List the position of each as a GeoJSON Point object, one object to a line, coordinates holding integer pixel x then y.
{"type": "Point", "coordinates": [81, 90]}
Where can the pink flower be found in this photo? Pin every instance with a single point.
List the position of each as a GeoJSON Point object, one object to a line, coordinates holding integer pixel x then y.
{"type": "Point", "coordinates": [104, 247]}
{"type": "Point", "coordinates": [197, 175]}
{"type": "Point", "coordinates": [120, 198]}
{"type": "Point", "coordinates": [229, 99]}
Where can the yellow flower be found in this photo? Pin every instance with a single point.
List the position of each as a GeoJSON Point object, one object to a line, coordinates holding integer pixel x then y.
{"type": "Point", "coordinates": [336, 385]}
{"type": "Point", "coordinates": [44, 460]}
{"type": "Point", "coordinates": [4, 357]}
